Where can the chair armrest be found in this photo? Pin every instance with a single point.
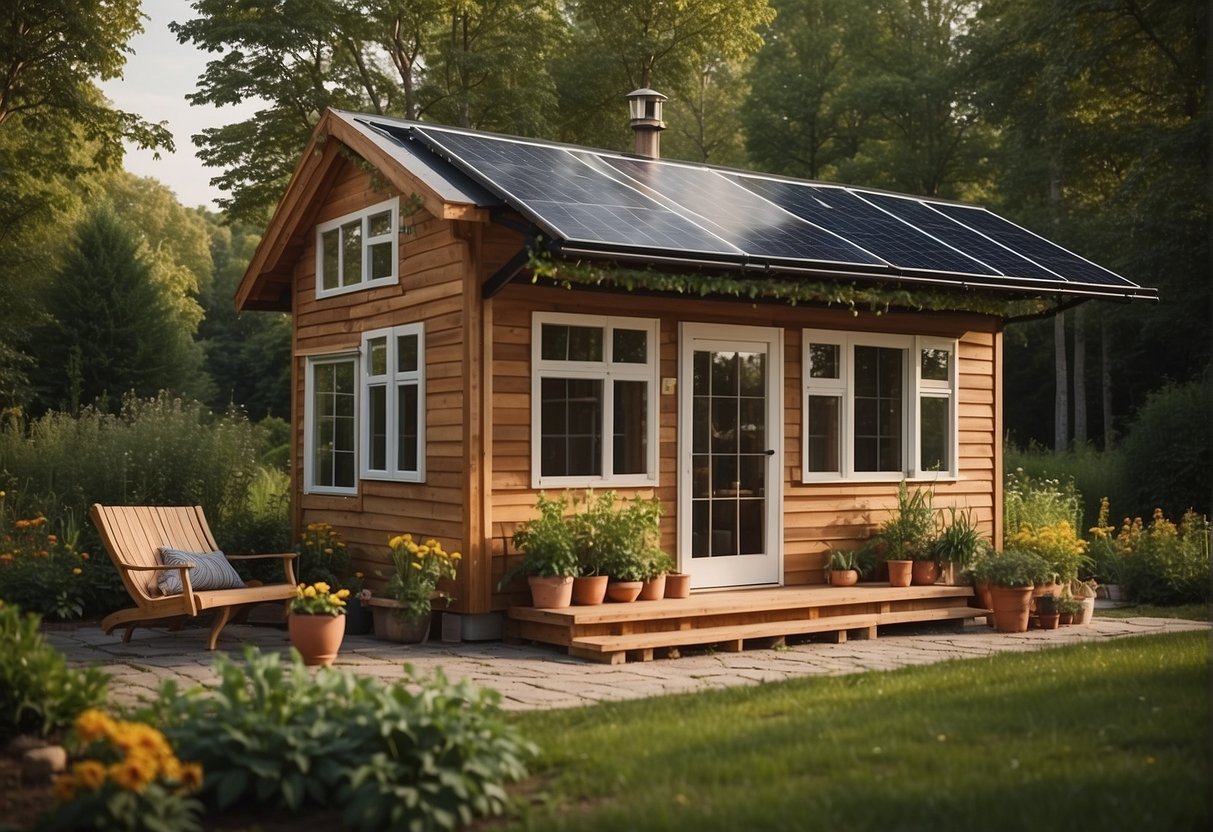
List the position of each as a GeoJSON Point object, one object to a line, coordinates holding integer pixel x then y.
{"type": "Point", "coordinates": [158, 567]}
{"type": "Point", "coordinates": [280, 556]}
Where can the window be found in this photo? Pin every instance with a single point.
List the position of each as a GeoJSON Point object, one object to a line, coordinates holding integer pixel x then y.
{"type": "Point", "coordinates": [330, 427]}
{"type": "Point", "coordinates": [393, 403]}
{"type": "Point", "coordinates": [878, 407]}
{"type": "Point", "coordinates": [357, 251]}
{"type": "Point", "coordinates": [593, 401]}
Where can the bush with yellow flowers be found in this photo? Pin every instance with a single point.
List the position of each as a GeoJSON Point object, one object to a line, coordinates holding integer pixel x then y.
{"type": "Point", "coordinates": [418, 569]}
{"type": "Point", "coordinates": [318, 599]}
{"type": "Point", "coordinates": [1161, 562]}
{"type": "Point", "coordinates": [125, 776]}
{"type": "Point", "coordinates": [1058, 543]}
{"type": "Point", "coordinates": [323, 555]}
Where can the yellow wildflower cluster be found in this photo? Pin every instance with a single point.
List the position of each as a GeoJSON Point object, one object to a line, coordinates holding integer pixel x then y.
{"type": "Point", "coordinates": [318, 599]}
{"type": "Point", "coordinates": [418, 569]}
{"type": "Point", "coordinates": [1058, 544]}
{"type": "Point", "coordinates": [130, 756]}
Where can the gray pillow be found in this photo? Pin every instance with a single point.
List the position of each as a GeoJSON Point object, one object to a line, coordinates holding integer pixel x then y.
{"type": "Point", "coordinates": [211, 571]}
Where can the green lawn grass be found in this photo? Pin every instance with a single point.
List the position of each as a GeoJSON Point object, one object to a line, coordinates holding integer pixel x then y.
{"type": "Point", "coordinates": [1192, 612]}
{"type": "Point", "coordinates": [1108, 736]}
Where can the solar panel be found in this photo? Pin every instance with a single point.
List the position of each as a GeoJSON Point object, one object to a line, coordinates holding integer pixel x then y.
{"type": "Point", "coordinates": [1053, 257]}
{"type": "Point", "coordinates": [572, 201]}
{"type": "Point", "coordinates": [748, 221]}
{"type": "Point", "coordinates": [865, 225]}
{"type": "Point", "coordinates": [921, 215]}
{"type": "Point", "coordinates": [597, 201]}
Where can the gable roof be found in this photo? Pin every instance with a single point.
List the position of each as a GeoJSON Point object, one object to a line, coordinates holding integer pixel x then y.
{"type": "Point", "coordinates": [597, 204]}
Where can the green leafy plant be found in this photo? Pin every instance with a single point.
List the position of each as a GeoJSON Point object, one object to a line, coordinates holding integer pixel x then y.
{"type": "Point", "coordinates": [1012, 568]}
{"type": "Point", "coordinates": [1058, 544]}
{"type": "Point", "coordinates": [38, 691]}
{"type": "Point", "coordinates": [1039, 502]}
{"type": "Point", "coordinates": [1164, 563]}
{"type": "Point", "coordinates": [421, 754]}
{"type": "Point", "coordinates": [547, 543]}
{"type": "Point", "coordinates": [126, 777]}
{"type": "Point", "coordinates": [323, 555]}
{"type": "Point", "coordinates": [844, 559]}
{"type": "Point", "coordinates": [959, 539]}
{"type": "Point", "coordinates": [620, 538]}
{"type": "Point", "coordinates": [907, 533]}
{"type": "Point", "coordinates": [318, 599]}
{"type": "Point", "coordinates": [418, 569]}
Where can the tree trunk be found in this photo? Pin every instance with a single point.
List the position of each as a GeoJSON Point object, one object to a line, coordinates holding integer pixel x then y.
{"type": "Point", "coordinates": [1061, 383]}
{"type": "Point", "coordinates": [1080, 379]}
{"type": "Point", "coordinates": [1105, 383]}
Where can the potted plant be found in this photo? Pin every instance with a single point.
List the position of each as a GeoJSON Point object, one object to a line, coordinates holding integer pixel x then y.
{"type": "Point", "coordinates": [405, 613]}
{"type": "Point", "coordinates": [907, 536]}
{"type": "Point", "coordinates": [678, 585]}
{"type": "Point", "coordinates": [957, 545]}
{"type": "Point", "coordinates": [843, 566]}
{"type": "Point", "coordinates": [549, 559]}
{"type": "Point", "coordinates": [657, 567]}
{"type": "Point", "coordinates": [590, 582]}
{"type": "Point", "coordinates": [317, 622]}
{"type": "Point", "coordinates": [1069, 610]}
{"type": "Point", "coordinates": [1011, 577]}
{"type": "Point", "coordinates": [1047, 612]}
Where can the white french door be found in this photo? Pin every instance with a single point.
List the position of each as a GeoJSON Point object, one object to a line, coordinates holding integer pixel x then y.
{"type": "Point", "coordinates": [730, 438]}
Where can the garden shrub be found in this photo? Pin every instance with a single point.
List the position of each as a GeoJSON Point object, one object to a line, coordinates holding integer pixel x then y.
{"type": "Point", "coordinates": [422, 754]}
{"type": "Point", "coordinates": [1094, 473]}
{"type": "Point", "coordinates": [1163, 563]}
{"type": "Point", "coordinates": [1040, 502]}
{"type": "Point", "coordinates": [1167, 451]}
{"type": "Point", "coordinates": [39, 693]}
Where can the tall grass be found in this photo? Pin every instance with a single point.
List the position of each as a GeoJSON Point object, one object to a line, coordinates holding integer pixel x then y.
{"type": "Point", "coordinates": [1095, 474]}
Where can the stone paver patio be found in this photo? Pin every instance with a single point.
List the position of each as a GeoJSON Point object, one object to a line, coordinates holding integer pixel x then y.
{"type": "Point", "coordinates": [530, 677]}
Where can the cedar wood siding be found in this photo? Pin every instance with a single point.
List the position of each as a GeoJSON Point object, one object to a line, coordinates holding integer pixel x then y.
{"type": "Point", "coordinates": [816, 516]}
{"type": "Point", "coordinates": [432, 268]}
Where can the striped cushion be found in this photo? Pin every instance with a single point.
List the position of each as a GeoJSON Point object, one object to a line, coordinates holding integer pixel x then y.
{"type": "Point", "coordinates": [211, 571]}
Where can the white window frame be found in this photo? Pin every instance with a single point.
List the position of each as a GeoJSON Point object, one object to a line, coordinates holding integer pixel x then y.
{"type": "Point", "coordinates": [365, 282]}
{"type": "Point", "coordinates": [392, 380]}
{"type": "Point", "coordinates": [309, 424]}
{"type": "Point", "coordinates": [608, 372]}
{"type": "Point", "coordinates": [915, 387]}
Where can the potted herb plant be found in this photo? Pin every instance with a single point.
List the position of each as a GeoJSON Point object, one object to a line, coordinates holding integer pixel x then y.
{"type": "Point", "coordinates": [843, 566]}
{"type": "Point", "coordinates": [317, 622]}
{"type": "Point", "coordinates": [549, 559]}
{"type": "Point", "coordinates": [1048, 612]}
{"type": "Point", "coordinates": [405, 613]}
{"type": "Point", "coordinates": [657, 566]}
{"type": "Point", "coordinates": [957, 545]}
{"type": "Point", "coordinates": [1011, 577]}
{"type": "Point", "coordinates": [907, 537]}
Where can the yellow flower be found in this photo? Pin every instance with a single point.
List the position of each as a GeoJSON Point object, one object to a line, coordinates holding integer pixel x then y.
{"type": "Point", "coordinates": [310, 592]}
{"type": "Point", "coordinates": [65, 788]}
{"type": "Point", "coordinates": [321, 586]}
{"type": "Point", "coordinates": [456, 556]}
{"type": "Point", "coordinates": [191, 776]}
{"type": "Point", "coordinates": [328, 550]}
{"type": "Point", "coordinates": [133, 773]}
{"type": "Point", "coordinates": [77, 571]}
{"type": "Point", "coordinates": [93, 724]}
{"type": "Point", "coordinates": [342, 593]}
{"type": "Point", "coordinates": [358, 575]}
{"type": "Point", "coordinates": [89, 774]}
{"type": "Point", "coordinates": [416, 566]}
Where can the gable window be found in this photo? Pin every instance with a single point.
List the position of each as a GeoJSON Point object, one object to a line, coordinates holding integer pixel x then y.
{"type": "Point", "coordinates": [393, 403]}
{"type": "Point", "coordinates": [357, 251]}
{"type": "Point", "coordinates": [593, 400]}
{"type": "Point", "coordinates": [878, 407]}
{"type": "Point", "coordinates": [331, 425]}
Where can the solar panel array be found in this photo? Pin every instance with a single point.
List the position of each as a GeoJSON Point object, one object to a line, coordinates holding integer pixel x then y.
{"type": "Point", "coordinates": [610, 203]}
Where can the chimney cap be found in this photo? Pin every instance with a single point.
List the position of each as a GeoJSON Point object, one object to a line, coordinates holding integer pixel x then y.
{"type": "Point", "coordinates": [645, 107]}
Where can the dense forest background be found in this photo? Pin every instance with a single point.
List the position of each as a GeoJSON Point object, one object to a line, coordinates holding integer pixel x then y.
{"type": "Point", "coordinates": [1086, 121]}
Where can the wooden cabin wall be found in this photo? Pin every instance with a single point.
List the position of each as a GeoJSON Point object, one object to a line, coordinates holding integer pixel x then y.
{"type": "Point", "coordinates": [817, 516]}
{"type": "Point", "coordinates": [433, 263]}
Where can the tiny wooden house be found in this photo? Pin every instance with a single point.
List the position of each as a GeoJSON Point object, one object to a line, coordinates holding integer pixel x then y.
{"type": "Point", "coordinates": [478, 318]}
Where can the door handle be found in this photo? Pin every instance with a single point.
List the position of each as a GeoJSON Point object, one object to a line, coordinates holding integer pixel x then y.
{"type": "Point", "coordinates": [770, 452]}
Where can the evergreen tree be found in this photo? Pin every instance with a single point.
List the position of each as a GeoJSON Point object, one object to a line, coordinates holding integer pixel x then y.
{"type": "Point", "coordinates": [115, 329]}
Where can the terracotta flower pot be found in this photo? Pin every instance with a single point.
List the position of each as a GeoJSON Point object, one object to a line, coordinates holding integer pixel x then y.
{"type": "Point", "coordinates": [1048, 621]}
{"type": "Point", "coordinates": [623, 592]}
{"type": "Point", "coordinates": [551, 593]}
{"type": "Point", "coordinates": [900, 572]}
{"type": "Point", "coordinates": [392, 625]}
{"type": "Point", "coordinates": [924, 572]}
{"type": "Point", "coordinates": [589, 590]}
{"type": "Point", "coordinates": [316, 637]}
{"type": "Point", "coordinates": [678, 585]}
{"type": "Point", "coordinates": [652, 589]}
{"type": "Point", "coordinates": [1012, 606]}
{"type": "Point", "coordinates": [844, 577]}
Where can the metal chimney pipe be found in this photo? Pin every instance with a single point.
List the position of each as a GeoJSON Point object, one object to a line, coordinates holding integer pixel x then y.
{"type": "Point", "coordinates": [645, 106]}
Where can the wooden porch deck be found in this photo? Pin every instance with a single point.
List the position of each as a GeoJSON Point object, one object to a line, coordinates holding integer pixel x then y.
{"type": "Point", "coordinates": [616, 633]}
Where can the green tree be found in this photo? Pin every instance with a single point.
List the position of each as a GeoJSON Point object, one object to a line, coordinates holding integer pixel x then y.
{"type": "Point", "coordinates": [114, 328]}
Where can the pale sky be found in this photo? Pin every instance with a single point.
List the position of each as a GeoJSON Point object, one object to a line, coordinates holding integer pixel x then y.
{"type": "Point", "coordinates": [156, 80]}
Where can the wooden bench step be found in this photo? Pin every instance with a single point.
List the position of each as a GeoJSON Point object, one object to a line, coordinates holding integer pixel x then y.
{"type": "Point", "coordinates": [933, 614]}
{"type": "Point", "coordinates": [614, 648]}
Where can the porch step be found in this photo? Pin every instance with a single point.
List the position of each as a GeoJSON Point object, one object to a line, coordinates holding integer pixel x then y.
{"type": "Point", "coordinates": [613, 649]}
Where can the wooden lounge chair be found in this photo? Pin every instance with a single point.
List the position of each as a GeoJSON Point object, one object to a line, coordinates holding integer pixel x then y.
{"type": "Point", "coordinates": [134, 535]}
